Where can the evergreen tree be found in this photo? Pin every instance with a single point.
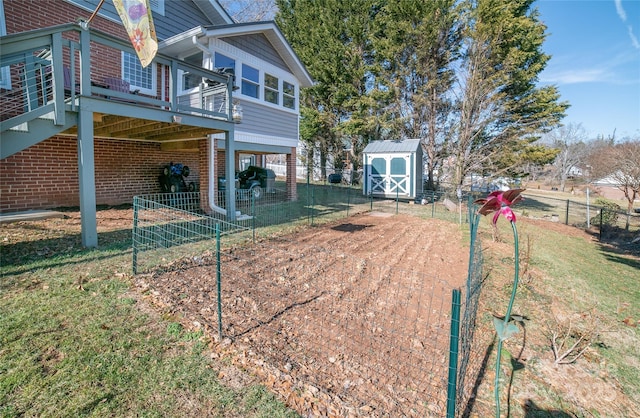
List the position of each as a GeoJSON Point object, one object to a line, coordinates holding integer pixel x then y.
{"type": "Point", "coordinates": [331, 38]}
{"type": "Point", "coordinates": [416, 45]}
{"type": "Point", "coordinates": [499, 104]}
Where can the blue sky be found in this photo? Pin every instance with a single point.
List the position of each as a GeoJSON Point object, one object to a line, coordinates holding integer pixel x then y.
{"type": "Point", "coordinates": [595, 63]}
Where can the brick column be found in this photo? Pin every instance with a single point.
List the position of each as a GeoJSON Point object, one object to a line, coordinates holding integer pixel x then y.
{"type": "Point", "coordinates": [292, 192]}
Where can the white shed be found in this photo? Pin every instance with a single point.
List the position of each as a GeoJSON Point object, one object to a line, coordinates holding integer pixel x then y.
{"type": "Point", "coordinates": [393, 168]}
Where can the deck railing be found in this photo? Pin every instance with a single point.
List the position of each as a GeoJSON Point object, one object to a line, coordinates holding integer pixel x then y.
{"type": "Point", "coordinates": [45, 71]}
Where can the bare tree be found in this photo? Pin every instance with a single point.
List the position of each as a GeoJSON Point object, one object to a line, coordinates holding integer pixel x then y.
{"type": "Point", "coordinates": [570, 141]}
{"type": "Point", "coordinates": [620, 163]}
{"type": "Point", "coordinates": [250, 10]}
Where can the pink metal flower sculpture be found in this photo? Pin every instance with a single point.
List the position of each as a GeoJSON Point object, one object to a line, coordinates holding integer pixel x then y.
{"type": "Point", "coordinates": [500, 203]}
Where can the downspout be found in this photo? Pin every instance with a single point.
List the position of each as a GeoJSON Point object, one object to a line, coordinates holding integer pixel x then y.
{"type": "Point", "coordinates": [204, 49]}
{"type": "Point", "coordinates": [212, 187]}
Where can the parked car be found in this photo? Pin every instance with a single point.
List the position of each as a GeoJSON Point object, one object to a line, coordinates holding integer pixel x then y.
{"type": "Point", "coordinates": [257, 180]}
{"type": "Point", "coordinates": [172, 179]}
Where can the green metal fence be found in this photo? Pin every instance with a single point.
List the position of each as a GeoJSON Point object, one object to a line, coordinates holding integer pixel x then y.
{"type": "Point", "coordinates": [385, 332]}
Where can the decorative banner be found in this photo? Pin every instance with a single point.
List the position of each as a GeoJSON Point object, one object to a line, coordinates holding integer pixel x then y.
{"type": "Point", "coordinates": [137, 20]}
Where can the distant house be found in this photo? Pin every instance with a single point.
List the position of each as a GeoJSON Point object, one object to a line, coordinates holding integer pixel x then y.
{"type": "Point", "coordinates": [393, 168]}
{"type": "Point", "coordinates": [72, 136]}
{"type": "Point", "coordinates": [607, 187]}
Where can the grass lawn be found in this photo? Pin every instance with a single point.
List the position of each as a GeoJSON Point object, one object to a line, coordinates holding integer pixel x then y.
{"type": "Point", "coordinates": [74, 341]}
{"type": "Point", "coordinates": [572, 287]}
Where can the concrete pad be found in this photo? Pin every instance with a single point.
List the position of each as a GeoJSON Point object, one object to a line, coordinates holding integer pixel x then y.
{"type": "Point", "coordinates": [29, 215]}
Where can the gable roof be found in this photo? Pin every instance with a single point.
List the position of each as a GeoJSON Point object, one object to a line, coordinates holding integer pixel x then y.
{"type": "Point", "coordinates": [404, 145]}
{"type": "Point", "coordinates": [176, 45]}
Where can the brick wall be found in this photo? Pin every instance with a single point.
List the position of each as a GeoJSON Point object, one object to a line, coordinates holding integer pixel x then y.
{"type": "Point", "coordinates": [24, 15]}
{"type": "Point", "coordinates": [46, 174]}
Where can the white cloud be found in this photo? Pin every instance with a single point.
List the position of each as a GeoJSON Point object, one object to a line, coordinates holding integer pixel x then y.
{"type": "Point", "coordinates": [634, 40]}
{"type": "Point", "coordinates": [575, 76]}
{"type": "Point", "coordinates": [623, 16]}
{"type": "Point", "coordinates": [621, 13]}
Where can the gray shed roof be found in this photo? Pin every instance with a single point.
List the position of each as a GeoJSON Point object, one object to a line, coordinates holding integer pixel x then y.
{"type": "Point", "coordinates": [405, 145]}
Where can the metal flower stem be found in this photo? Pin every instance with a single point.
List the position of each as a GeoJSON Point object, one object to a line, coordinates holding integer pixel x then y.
{"type": "Point", "coordinates": [507, 316]}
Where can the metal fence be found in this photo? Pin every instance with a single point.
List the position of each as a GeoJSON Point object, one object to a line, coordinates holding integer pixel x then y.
{"type": "Point", "coordinates": [358, 339]}
{"type": "Point", "coordinates": [608, 222]}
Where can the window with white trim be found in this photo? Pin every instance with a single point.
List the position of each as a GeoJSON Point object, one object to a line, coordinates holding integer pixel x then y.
{"type": "Point", "coordinates": [288, 95]}
{"type": "Point", "coordinates": [143, 79]}
{"type": "Point", "coordinates": [191, 81]}
{"type": "Point", "coordinates": [222, 61]}
{"type": "Point", "coordinates": [250, 81]}
{"type": "Point", "coordinates": [271, 92]}
{"type": "Point", "coordinates": [5, 73]}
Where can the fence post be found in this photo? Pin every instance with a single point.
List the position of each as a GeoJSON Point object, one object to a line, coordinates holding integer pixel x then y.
{"type": "Point", "coordinates": [370, 200]}
{"type": "Point", "coordinates": [433, 203]}
{"type": "Point", "coordinates": [453, 353]}
{"type": "Point", "coordinates": [397, 194]}
{"type": "Point", "coordinates": [253, 216]}
{"type": "Point", "coordinates": [601, 219]}
{"type": "Point", "coordinates": [313, 202]}
{"type": "Point", "coordinates": [219, 281]}
{"type": "Point", "coordinates": [566, 216]}
{"type": "Point", "coordinates": [348, 199]}
{"type": "Point", "coordinates": [134, 252]}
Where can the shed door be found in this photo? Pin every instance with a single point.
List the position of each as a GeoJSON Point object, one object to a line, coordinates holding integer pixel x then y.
{"type": "Point", "coordinates": [390, 174]}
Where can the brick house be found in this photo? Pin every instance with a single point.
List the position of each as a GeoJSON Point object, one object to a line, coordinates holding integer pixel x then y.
{"type": "Point", "coordinates": [100, 146]}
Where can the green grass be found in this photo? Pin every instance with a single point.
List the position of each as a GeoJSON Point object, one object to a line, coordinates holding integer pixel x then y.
{"type": "Point", "coordinates": [574, 275]}
{"type": "Point", "coordinates": [74, 343]}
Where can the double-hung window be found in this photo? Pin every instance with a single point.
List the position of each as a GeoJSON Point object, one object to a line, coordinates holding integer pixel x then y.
{"type": "Point", "coordinates": [288, 95]}
{"type": "Point", "coordinates": [271, 92]}
{"type": "Point", "coordinates": [250, 81]}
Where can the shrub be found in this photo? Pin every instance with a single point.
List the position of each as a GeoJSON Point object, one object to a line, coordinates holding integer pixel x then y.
{"type": "Point", "coordinates": [608, 213]}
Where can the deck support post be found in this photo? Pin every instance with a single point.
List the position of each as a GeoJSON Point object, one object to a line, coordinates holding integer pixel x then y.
{"type": "Point", "coordinates": [86, 179]}
{"type": "Point", "coordinates": [230, 175]}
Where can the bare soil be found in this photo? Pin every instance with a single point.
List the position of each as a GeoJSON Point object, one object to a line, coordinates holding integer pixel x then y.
{"type": "Point", "coordinates": [346, 319]}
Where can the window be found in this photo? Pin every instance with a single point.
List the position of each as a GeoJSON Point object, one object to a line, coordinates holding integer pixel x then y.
{"type": "Point", "coordinates": [222, 61]}
{"type": "Point", "coordinates": [250, 81]}
{"type": "Point", "coordinates": [271, 93]}
{"type": "Point", "coordinates": [142, 79]}
{"type": "Point", "coordinates": [5, 74]}
{"type": "Point", "coordinates": [288, 95]}
{"type": "Point", "coordinates": [190, 81]}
